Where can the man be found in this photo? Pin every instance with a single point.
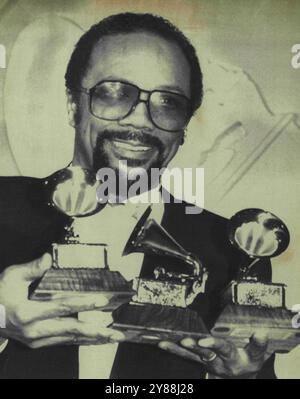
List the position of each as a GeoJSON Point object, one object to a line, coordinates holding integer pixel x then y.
{"type": "Point", "coordinates": [133, 83]}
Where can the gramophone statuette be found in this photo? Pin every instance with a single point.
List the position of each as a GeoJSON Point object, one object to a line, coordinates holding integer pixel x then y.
{"type": "Point", "coordinates": [159, 308]}
{"type": "Point", "coordinates": [78, 266]}
{"type": "Point", "coordinates": [250, 304]}
{"type": "Point", "coordinates": [165, 288]}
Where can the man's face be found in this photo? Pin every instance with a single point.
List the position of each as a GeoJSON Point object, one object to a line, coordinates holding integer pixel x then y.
{"type": "Point", "coordinates": [149, 62]}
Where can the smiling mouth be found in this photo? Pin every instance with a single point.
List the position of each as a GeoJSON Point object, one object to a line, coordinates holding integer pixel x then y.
{"type": "Point", "coordinates": [131, 145]}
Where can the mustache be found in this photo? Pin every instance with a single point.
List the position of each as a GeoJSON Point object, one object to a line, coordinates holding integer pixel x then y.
{"type": "Point", "coordinates": [100, 157]}
{"type": "Point", "coordinates": [140, 136]}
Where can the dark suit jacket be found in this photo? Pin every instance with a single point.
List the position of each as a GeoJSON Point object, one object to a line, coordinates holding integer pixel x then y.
{"type": "Point", "coordinates": [28, 226]}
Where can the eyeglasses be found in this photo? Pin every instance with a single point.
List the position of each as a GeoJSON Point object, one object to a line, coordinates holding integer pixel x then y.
{"type": "Point", "coordinates": [115, 100]}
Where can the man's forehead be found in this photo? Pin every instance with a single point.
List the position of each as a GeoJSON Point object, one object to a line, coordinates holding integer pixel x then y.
{"type": "Point", "coordinates": [142, 58]}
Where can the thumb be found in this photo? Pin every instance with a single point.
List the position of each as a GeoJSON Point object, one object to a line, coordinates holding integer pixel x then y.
{"type": "Point", "coordinates": [258, 345]}
{"type": "Point", "coordinates": [34, 269]}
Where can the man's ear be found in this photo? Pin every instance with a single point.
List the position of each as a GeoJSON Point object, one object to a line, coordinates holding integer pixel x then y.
{"type": "Point", "coordinates": [71, 108]}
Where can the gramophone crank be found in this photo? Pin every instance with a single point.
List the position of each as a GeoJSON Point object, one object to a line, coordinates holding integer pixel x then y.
{"type": "Point", "coordinates": [156, 308]}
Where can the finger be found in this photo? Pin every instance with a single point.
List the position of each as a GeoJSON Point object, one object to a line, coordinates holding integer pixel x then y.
{"type": "Point", "coordinates": [34, 310]}
{"type": "Point", "coordinates": [67, 327]}
{"type": "Point", "coordinates": [258, 345]}
{"type": "Point", "coordinates": [220, 346]}
{"type": "Point", "coordinates": [177, 350]}
{"type": "Point", "coordinates": [32, 270]}
{"type": "Point", "coordinates": [96, 316]}
{"type": "Point", "coordinates": [55, 341]}
{"type": "Point", "coordinates": [191, 344]}
{"type": "Point", "coordinates": [50, 341]}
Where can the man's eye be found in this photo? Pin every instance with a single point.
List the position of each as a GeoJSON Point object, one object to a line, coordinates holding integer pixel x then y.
{"type": "Point", "coordinates": [123, 94]}
{"type": "Point", "coordinates": [168, 101]}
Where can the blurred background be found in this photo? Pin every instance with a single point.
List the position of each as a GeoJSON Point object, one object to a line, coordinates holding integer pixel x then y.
{"type": "Point", "coordinates": [246, 135]}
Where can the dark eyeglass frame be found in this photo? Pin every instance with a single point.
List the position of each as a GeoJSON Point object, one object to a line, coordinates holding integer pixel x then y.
{"type": "Point", "coordinates": [90, 93]}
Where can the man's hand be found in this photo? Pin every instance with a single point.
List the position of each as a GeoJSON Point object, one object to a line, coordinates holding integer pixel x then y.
{"type": "Point", "coordinates": [222, 358]}
{"type": "Point", "coordinates": [38, 324]}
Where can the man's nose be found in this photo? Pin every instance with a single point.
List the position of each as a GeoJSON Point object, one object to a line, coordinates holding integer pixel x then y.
{"type": "Point", "coordinates": [138, 118]}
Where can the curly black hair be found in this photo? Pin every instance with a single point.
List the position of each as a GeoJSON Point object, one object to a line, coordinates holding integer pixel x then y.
{"type": "Point", "coordinates": [130, 23]}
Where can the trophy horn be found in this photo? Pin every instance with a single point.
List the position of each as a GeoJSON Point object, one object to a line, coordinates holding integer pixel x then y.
{"type": "Point", "coordinates": [149, 237]}
{"type": "Point", "coordinates": [258, 234]}
{"type": "Point", "coordinates": [72, 191]}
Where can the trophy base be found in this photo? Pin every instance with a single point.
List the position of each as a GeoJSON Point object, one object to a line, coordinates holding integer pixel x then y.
{"type": "Point", "coordinates": [62, 283]}
{"type": "Point", "coordinates": [255, 293]}
{"type": "Point", "coordinates": [238, 323]}
{"type": "Point", "coordinates": [149, 324]}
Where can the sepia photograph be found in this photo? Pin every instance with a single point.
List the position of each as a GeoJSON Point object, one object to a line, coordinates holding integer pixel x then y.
{"type": "Point", "coordinates": [149, 191]}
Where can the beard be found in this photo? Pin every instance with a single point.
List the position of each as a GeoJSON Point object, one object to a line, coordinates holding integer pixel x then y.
{"type": "Point", "coordinates": [101, 158]}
